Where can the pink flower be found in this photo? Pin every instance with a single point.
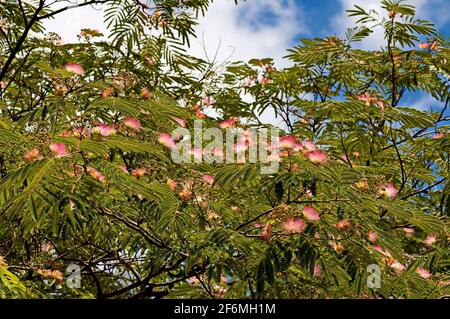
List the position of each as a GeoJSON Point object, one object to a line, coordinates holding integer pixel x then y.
{"type": "Point", "coordinates": [107, 92]}
{"type": "Point", "coordinates": [228, 123]}
{"type": "Point", "coordinates": [197, 152]}
{"type": "Point", "coordinates": [266, 232]}
{"type": "Point", "coordinates": [75, 68]}
{"type": "Point", "coordinates": [166, 140]}
{"type": "Point", "coordinates": [95, 174]}
{"type": "Point", "coordinates": [311, 214]}
{"type": "Point", "coordinates": [366, 97]}
{"type": "Point", "coordinates": [423, 45]}
{"type": "Point", "coordinates": [104, 130]}
{"type": "Point", "coordinates": [316, 157]}
{"type": "Point", "coordinates": [343, 224]}
{"type": "Point", "coordinates": [200, 114]}
{"type": "Point", "coordinates": [208, 178]}
{"type": "Point", "coordinates": [287, 141]}
{"type": "Point", "coordinates": [372, 236]}
{"type": "Point", "coordinates": [308, 146]}
{"type": "Point", "coordinates": [440, 135]}
{"type": "Point", "coordinates": [249, 81]}
{"type": "Point", "coordinates": [380, 250]}
{"type": "Point", "coordinates": [409, 231]}
{"type": "Point", "coordinates": [150, 60]}
{"type": "Point", "coordinates": [388, 191]}
{"type": "Point", "coordinates": [132, 123]}
{"type": "Point", "coordinates": [172, 184]}
{"type": "Point", "coordinates": [422, 272]}
{"type": "Point", "coordinates": [2, 85]}
{"type": "Point", "coordinates": [138, 172]}
{"type": "Point", "coordinates": [145, 93]}
{"type": "Point", "coordinates": [317, 271]}
{"type": "Point", "coordinates": [208, 100]}
{"type": "Point", "coordinates": [80, 132]}
{"type": "Point", "coordinates": [294, 225]}
{"type": "Point", "coordinates": [59, 150]}
{"type": "Point", "coordinates": [264, 80]}
{"type": "Point", "coordinates": [124, 169]}
{"type": "Point", "coordinates": [240, 147]}
{"type": "Point", "coordinates": [193, 281]}
{"type": "Point", "coordinates": [180, 121]}
{"type": "Point", "coordinates": [65, 134]}
{"type": "Point", "coordinates": [32, 155]}
{"type": "Point", "coordinates": [430, 240]}
{"type": "Point", "coordinates": [397, 266]}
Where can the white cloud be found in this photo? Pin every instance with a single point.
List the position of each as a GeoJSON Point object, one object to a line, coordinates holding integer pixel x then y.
{"type": "Point", "coordinates": [241, 31]}
{"type": "Point", "coordinates": [434, 10]}
{"type": "Point", "coordinates": [69, 23]}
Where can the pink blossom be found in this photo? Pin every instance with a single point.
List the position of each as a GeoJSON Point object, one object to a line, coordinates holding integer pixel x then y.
{"type": "Point", "coordinates": [311, 214]}
{"type": "Point", "coordinates": [424, 45]}
{"type": "Point", "coordinates": [409, 231]}
{"type": "Point", "coordinates": [388, 191]}
{"type": "Point", "coordinates": [343, 224]}
{"type": "Point", "coordinates": [198, 111]}
{"type": "Point", "coordinates": [32, 155]}
{"type": "Point", "coordinates": [366, 97]}
{"type": "Point", "coordinates": [2, 85]}
{"type": "Point", "coordinates": [316, 157]}
{"type": "Point", "coordinates": [132, 123]}
{"type": "Point", "coordinates": [380, 250]}
{"type": "Point", "coordinates": [228, 123]}
{"type": "Point", "coordinates": [246, 137]}
{"type": "Point", "coordinates": [287, 141]}
{"type": "Point", "coordinates": [107, 92]}
{"type": "Point", "coordinates": [95, 174]}
{"type": "Point", "coordinates": [193, 281]}
{"type": "Point", "coordinates": [172, 184]}
{"type": "Point", "coordinates": [249, 81]}
{"type": "Point", "coordinates": [266, 232]}
{"type": "Point", "coordinates": [430, 240]}
{"type": "Point", "coordinates": [180, 121]}
{"type": "Point", "coordinates": [422, 272]}
{"type": "Point", "coordinates": [439, 135]}
{"type": "Point", "coordinates": [240, 147]}
{"type": "Point", "coordinates": [317, 271]}
{"type": "Point", "coordinates": [208, 178]}
{"type": "Point", "coordinates": [208, 101]}
{"type": "Point", "coordinates": [308, 146]}
{"type": "Point", "coordinates": [80, 132]}
{"type": "Point", "coordinates": [166, 140]}
{"type": "Point", "coordinates": [145, 93]}
{"type": "Point", "coordinates": [59, 150]}
{"type": "Point", "coordinates": [372, 236]}
{"type": "Point", "coordinates": [65, 134]}
{"type": "Point", "coordinates": [197, 152]}
{"type": "Point", "coordinates": [294, 225]}
{"type": "Point", "coordinates": [150, 60]}
{"type": "Point", "coordinates": [397, 266]}
{"type": "Point", "coordinates": [104, 130]}
{"type": "Point", "coordinates": [75, 68]}
{"type": "Point", "coordinates": [138, 172]}
{"type": "Point", "coordinates": [124, 169]}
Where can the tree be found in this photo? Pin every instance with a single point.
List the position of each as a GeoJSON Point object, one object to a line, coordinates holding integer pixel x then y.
{"type": "Point", "coordinates": [88, 178]}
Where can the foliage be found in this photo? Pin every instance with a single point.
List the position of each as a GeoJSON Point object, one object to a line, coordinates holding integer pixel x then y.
{"type": "Point", "coordinates": [84, 179]}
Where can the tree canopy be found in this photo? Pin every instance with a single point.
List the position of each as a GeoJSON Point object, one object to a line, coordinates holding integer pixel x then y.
{"type": "Point", "coordinates": [87, 176]}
